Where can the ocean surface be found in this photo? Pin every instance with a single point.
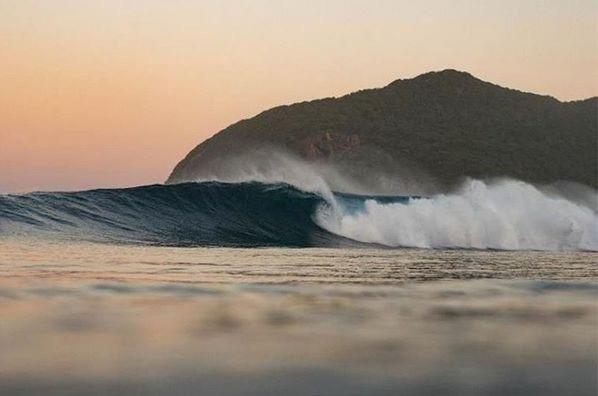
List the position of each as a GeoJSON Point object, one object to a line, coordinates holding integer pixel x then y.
{"type": "Point", "coordinates": [268, 289]}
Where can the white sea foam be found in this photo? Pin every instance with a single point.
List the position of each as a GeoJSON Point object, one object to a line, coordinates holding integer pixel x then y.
{"type": "Point", "coordinates": [509, 215]}
{"type": "Point", "coordinates": [506, 214]}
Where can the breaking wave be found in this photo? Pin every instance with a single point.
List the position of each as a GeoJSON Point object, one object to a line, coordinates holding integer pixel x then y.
{"type": "Point", "coordinates": [504, 215]}
{"type": "Point", "coordinates": [507, 215]}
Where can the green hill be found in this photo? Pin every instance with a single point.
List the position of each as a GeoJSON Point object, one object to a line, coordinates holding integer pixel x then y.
{"type": "Point", "coordinates": [442, 126]}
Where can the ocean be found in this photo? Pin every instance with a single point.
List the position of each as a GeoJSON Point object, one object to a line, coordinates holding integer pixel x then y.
{"type": "Point", "coordinates": [267, 289]}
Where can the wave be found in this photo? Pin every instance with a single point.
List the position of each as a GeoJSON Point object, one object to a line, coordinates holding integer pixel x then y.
{"type": "Point", "coordinates": [505, 215]}
{"type": "Point", "coordinates": [190, 214]}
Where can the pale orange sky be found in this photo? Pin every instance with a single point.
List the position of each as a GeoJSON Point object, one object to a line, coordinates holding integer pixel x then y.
{"type": "Point", "coordinates": [114, 93]}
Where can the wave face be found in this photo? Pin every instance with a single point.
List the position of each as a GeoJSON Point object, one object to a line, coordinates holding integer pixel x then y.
{"type": "Point", "coordinates": [508, 215]}
{"type": "Point", "coordinates": [191, 214]}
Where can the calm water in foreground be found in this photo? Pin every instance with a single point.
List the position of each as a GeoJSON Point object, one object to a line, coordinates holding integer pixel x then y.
{"type": "Point", "coordinates": [94, 319]}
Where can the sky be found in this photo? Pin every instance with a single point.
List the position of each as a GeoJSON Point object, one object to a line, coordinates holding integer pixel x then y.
{"type": "Point", "coordinates": [114, 93]}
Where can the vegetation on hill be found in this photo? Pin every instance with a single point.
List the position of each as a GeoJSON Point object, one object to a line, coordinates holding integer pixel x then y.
{"type": "Point", "coordinates": [447, 125]}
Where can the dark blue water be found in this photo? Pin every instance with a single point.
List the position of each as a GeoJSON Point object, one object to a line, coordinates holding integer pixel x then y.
{"type": "Point", "coordinates": [191, 214]}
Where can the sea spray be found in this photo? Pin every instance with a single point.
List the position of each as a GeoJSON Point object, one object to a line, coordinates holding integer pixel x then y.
{"type": "Point", "coordinates": [509, 215]}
